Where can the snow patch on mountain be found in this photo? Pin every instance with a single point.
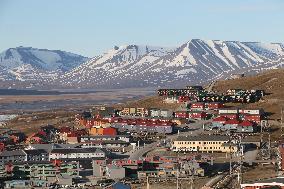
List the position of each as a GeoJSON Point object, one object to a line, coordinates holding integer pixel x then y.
{"type": "Point", "coordinates": [31, 64]}
{"type": "Point", "coordinates": [194, 62]}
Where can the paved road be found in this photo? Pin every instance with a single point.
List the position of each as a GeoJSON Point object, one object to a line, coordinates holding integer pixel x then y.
{"type": "Point", "coordinates": [138, 153]}
{"type": "Point", "coordinates": [214, 180]}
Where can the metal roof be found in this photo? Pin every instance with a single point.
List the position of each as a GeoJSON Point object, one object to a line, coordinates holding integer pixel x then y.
{"type": "Point", "coordinates": [204, 138]}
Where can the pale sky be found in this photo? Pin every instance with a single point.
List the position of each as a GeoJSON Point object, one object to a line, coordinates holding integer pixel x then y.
{"type": "Point", "coordinates": [91, 27]}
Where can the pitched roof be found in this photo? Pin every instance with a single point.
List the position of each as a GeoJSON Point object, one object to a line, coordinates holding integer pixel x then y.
{"type": "Point", "coordinates": [49, 147]}
{"type": "Point", "coordinates": [220, 118]}
{"type": "Point", "coordinates": [204, 138]}
{"type": "Point", "coordinates": [232, 121]}
{"type": "Point", "coordinates": [77, 150]}
{"type": "Point", "coordinates": [13, 153]}
{"type": "Point", "coordinates": [36, 152]}
{"type": "Point", "coordinates": [246, 124]}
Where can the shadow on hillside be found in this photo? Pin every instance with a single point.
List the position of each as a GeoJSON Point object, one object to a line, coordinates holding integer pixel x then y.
{"type": "Point", "coordinates": [268, 114]}
{"type": "Point", "coordinates": [273, 129]}
{"type": "Point", "coordinates": [267, 94]}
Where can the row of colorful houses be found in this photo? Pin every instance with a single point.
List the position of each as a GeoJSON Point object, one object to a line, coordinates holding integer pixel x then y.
{"type": "Point", "coordinates": [200, 95]}
{"type": "Point", "coordinates": [237, 120]}
{"type": "Point", "coordinates": [145, 125]}
{"type": "Point", "coordinates": [245, 98]}
{"type": "Point", "coordinates": [191, 114]}
{"type": "Point", "coordinates": [252, 115]}
{"type": "Point", "coordinates": [225, 124]}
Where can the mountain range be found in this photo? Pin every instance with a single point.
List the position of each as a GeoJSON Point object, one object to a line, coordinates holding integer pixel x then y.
{"type": "Point", "coordinates": [194, 62]}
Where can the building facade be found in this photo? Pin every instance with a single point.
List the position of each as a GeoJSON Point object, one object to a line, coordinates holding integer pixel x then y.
{"type": "Point", "coordinates": [204, 143]}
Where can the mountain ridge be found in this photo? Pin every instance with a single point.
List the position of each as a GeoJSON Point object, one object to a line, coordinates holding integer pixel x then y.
{"type": "Point", "coordinates": [196, 61]}
{"type": "Point", "coordinates": [31, 64]}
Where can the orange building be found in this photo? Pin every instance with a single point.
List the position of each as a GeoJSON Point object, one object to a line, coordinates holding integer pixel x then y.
{"type": "Point", "coordinates": [103, 131]}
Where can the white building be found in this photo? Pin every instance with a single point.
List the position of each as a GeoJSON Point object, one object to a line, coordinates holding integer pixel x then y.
{"type": "Point", "coordinates": [77, 153]}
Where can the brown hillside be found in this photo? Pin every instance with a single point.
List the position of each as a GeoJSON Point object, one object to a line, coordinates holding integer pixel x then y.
{"type": "Point", "coordinates": [271, 81]}
{"type": "Point", "coordinates": [149, 102]}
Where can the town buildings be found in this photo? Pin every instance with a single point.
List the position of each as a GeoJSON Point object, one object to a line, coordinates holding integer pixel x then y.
{"type": "Point", "coordinates": [204, 143]}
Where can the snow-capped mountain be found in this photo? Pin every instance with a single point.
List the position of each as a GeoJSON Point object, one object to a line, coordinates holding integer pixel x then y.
{"type": "Point", "coordinates": [31, 64]}
{"type": "Point", "coordinates": [194, 62]}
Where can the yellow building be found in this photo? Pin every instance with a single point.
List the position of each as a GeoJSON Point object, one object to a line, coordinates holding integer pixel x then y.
{"type": "Point", "coordinates": [204, 143]}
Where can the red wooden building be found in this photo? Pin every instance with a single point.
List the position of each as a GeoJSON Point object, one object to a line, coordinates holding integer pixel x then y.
{"type": "Point", "coordinates": [214, 105]}
{"type": "Point", "coordinates": [220, 119]}
{"type": "Point", "coordinates": [182, 114]}
{"type": "Point", "coordinates": [252, 118]}
{"type": "Point", "coordinates": [197, 106]}
{"type": "Point", "coordinates": [246, 124]}
{"type": "Point", "coordinates": [231, 116]}
{"type": "Point", "coordinates": [197, 115]}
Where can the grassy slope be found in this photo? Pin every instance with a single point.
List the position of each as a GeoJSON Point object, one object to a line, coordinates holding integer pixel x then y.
{"type": "Point", "coordinates": [149, 102]}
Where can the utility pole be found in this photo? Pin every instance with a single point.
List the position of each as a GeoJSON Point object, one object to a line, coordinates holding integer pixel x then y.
{"type": "Point", "coordinates": [177, 178]}
{"type": "Point", "coordinates": [269, 145]}
{"type": "Point", "coordinates": [241, 152]}
{"type": "Point", "coordinates": [230, 141]}
{"type": "Point", "coordinates": [191, 180]}
{"type": "Point", "coordinates": [148, 184]}
{"type": "Point", "coordinates": [281, 120]}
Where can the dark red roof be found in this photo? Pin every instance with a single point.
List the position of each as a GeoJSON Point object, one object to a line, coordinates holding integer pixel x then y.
{"type": "Point", "coordinates": [220, 118]}
{"type": "Point", "coordinates": [232, 121]}
{"type": "Point", "coordinates": [246, 124]}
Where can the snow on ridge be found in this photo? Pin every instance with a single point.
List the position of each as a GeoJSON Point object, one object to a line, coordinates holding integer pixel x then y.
{"type": "Point", "coordinates": [228, 54]}
{"type": "Point", "coordinates": [212, 45]}
{"type": "Point", "coordinates": [184, 57]}
{"type": "Point", "coordinates": [31, 64]}
{"type": "Point", "coordinates": [195, 61]}
{"type": "Point", "coordinates": [184, 72]}
{"type": "Point", "coordinates": [276, 48]}
{"type": "Point", "coordinates": [48, 57]}
{"type": "Point", "coordinates": [250, 53]}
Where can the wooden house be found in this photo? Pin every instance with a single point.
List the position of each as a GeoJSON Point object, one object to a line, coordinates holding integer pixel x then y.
{"type": "Point", "coordinates": [245, 127]}
{"type": "Point", "coordinates": [214, 105]}
{"type": "Point", "coordinates": [219, 121]}
{"type": "Point", "coordinates": [197, 106]}
{"type": "Point", "coordinates": [231, 124]}
{"type": "Point", "coordinates": [197, 115]}
{"type": "Point", "coordinates": [181, 114]}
